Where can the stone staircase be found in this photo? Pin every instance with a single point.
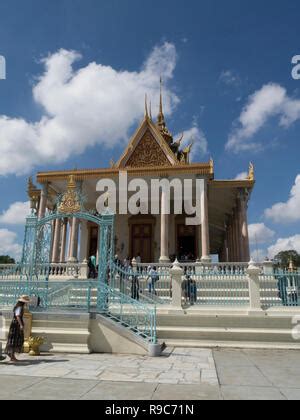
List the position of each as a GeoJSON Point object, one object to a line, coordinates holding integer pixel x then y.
{"type": "Point", "coordinates": [225, 328]}
{"type": "Point", "coordinates": [79, 333]}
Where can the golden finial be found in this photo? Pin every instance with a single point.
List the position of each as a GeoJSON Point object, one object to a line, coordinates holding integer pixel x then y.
{"type": "Point", "coordinates": [72, 183]}
{"type": "Point", "coordinates": [179, 141]}
{"type": "Point", "coordinates": [151, 112]}
{"type": "Point", "coordinates": [188, 149]}
{"type": "Point", "coordinates": [187, 152]}
{"type": "Point", "coordinates": [251, 174]}
{"type": "Point", "coordinates": [33, 193]}
{"type": "Point", "coordinates": [212, 165]}
{"type": "Point", "coordinates": [161, 118]}
{"type": "Point", "coordinates": [146, 107]}
{"type": "Point", "coordinates": [161, 123]}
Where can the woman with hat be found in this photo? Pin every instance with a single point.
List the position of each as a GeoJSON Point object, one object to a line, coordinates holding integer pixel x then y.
{"type": "Point", "coordinates": [15, 340]}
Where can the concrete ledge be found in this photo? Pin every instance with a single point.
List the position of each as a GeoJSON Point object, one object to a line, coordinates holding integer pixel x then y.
{"type": "Point", "coordinates": [232, 345]}
{"type": "Point", "coordinates": [107, 336]}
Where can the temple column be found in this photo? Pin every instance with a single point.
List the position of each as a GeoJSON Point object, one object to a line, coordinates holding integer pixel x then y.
{"type": "Point", "coordinates": [205, 227]}
{"type": "Point", "coordinates": [224, 254]}
{"type": "Point", "coordinates": [231, 244]}
{"type": "Point", "coordinates": [164, 228]}
{"type": "Point", "coordinates": [56, 241]}
{"type": "Point", "coordinates": [73, 248]}
{"type": "Point", "coordinates": [198, 233]}
{"type": "Point", "coordinates": [227, 244]}
{"type": "Point", "coordinates": [84, 234]}
{"type": "Point", "coordinates": [240, 227]}
{"type": "Point", "coordinates": [62, 258]}
{"type": "Point", "coordinates": [43, 201]}
{"type": "Point", "coordinates": [237, 236]}
{"type": "Point", "coordinates": [244, 227]}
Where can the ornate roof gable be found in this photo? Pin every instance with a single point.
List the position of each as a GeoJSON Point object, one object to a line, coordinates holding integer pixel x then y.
{"type": "Point", "coordinates": [147, 148]}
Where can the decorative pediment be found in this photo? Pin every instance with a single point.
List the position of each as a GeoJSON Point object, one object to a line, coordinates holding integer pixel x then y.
{"type": "Point", "coordinates": [147, 153]}
{"type": "Point", "coordinates": [147, 148]}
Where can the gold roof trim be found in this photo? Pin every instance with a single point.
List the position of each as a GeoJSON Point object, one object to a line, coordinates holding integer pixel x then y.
{"type": "Point", "coordinates": [193, 168]}
{"type": "Point", "coordinates": [232, 184]}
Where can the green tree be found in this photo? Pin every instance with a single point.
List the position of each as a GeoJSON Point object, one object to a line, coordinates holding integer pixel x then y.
{"type": "Point", "coordinates": [5, 259]}
{"type": "Point", "coordinates": [284, 258]}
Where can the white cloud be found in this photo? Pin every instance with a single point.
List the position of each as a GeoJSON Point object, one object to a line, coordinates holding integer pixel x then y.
{"type": "Point", "coordinates": [285, 244]}
{"type": "Point", "coordinates": [230, 78]}
{"type": "Point", "coordinates": [15, 214]}
{"type": "Point", "coordinates": [289, 211]}
{"type": "Point", "coordinates": [259, 233]}
{"type": "Point", "coordinates": [270, 101]}
{"type": "Point", "coordinates": [197, 136]}
{"type": "Point", "coordinates": [9, 245]}
{"type": "Point", "coordinates": [241, 177]}
{"type": "Point", "coordinates": [93, 105]}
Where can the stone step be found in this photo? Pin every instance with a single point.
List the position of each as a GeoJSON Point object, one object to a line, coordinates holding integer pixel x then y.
{"type": "Point", "coordinates": [223, 321]}
{"type": "Point", "coordinates": [231, 344]}
{"type": "Point", "coordinates": [225, 334]}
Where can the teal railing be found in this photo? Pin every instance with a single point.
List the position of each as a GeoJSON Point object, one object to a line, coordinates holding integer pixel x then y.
{"type": "Point", "coordinates": [138, 285]}
{"type": "Point", "coordinates": [280, 289]}
{"type": "Point", "coordinates": [87, 296]}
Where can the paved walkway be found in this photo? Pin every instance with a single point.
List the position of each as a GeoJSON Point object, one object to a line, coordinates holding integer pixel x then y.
{"type": "Point", "coordinates": [182, 374]}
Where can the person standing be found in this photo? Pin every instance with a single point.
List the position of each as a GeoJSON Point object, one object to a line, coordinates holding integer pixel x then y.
{"type": "Point", "coordinates": [92, 267]}
{"type": "Point", "coordinates": [135, 287]}
{"type": "Point", "coordinates": [153, 278]}
{"type": "Point", "coordinates": [15, 340]}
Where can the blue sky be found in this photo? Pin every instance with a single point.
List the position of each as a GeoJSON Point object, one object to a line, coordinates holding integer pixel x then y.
{"type": "Point", "coordinates": [227, 70]}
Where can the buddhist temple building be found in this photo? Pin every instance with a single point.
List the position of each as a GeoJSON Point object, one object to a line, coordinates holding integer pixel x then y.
{"type": "Point", "coordinates": [151, 153]}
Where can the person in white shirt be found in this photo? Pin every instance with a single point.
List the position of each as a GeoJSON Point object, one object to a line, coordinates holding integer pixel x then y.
{"type": "Point", "coordinates": [15, 340]}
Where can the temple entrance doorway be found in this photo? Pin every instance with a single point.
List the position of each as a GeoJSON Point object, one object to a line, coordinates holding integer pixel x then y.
{"type": "Point", "coordinates": [141, 238]}
{"type": "Point", "coordinates": [186, 242]}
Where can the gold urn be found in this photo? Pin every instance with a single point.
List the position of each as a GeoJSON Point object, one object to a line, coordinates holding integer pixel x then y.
{"type": "Point", "coordinates": [34, 345]}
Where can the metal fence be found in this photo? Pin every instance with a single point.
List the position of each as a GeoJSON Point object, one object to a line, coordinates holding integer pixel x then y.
{"type": "Point", "coordinates": [216, 290]}
{"type": "Point", "coordinates": [280, 289]}
{"type": "Point", "coordinates": [143, 284]}
{"type": "Point", "coordinates": [85, 296]}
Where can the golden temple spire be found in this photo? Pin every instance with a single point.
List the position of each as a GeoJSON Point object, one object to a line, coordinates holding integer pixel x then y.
{"type": "Point", "coordinates": [146, 107]}
{"type": "Point", "coordinates": [161, 118]}
{"type": "Point", "coordinates": [161, 123]}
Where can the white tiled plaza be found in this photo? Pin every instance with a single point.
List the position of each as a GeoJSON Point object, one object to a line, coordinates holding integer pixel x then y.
{"type": "Point", "coordinates": [182, 374]}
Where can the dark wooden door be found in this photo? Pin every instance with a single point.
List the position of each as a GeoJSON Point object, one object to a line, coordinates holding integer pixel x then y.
{"type": "Point", "coordinates": [141, 240]}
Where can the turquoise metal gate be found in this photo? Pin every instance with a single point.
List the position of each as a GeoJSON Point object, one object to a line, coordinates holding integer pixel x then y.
{"type": "Point", "coordinates": [32, 275]}
{"type": "Point", "coordinates": [36, 260]}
